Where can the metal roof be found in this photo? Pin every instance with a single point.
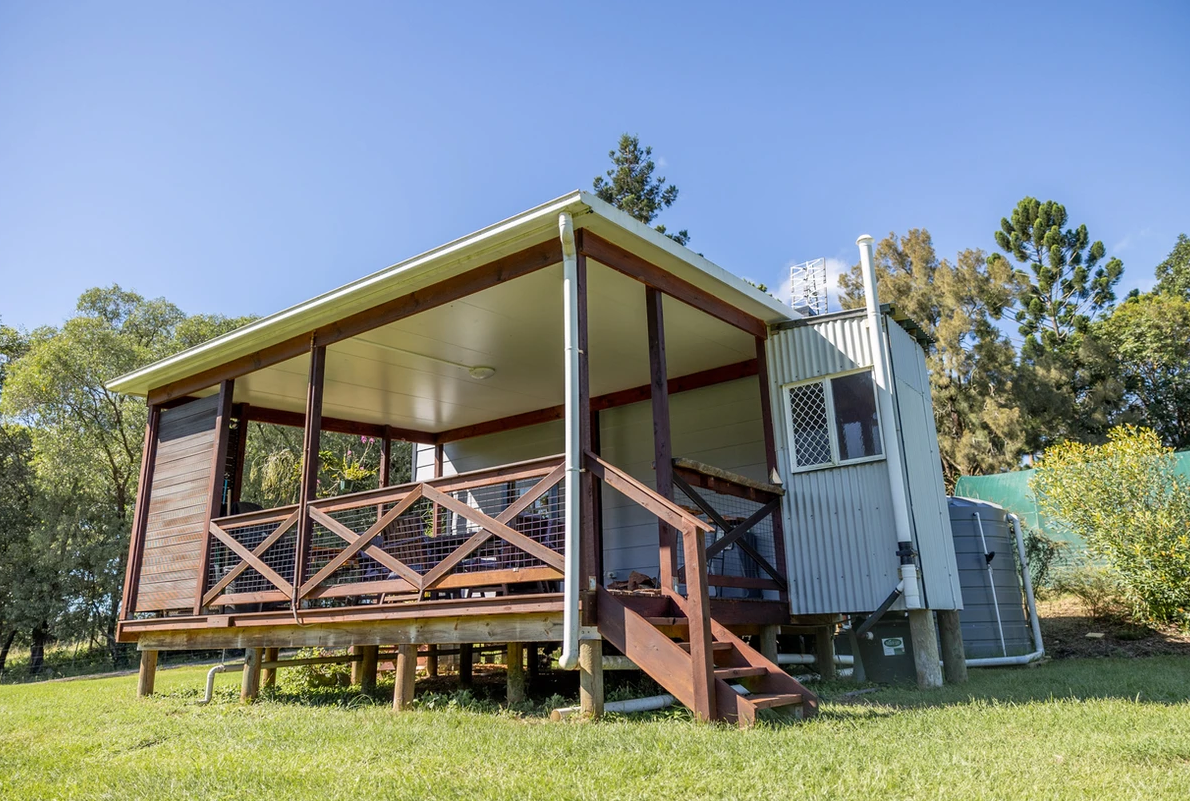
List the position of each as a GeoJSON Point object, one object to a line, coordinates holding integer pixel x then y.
{"type": "Point", "coordinates": [530, 227]}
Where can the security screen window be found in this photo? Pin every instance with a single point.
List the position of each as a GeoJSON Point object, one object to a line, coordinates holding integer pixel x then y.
{"type": "Point", "coordinates": [857, 426]}
{"type": "Point", "coordinates": [833, 421]}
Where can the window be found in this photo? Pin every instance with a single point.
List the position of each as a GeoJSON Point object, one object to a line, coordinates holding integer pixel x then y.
{"type": "Point", "coordinates": [833, 421]}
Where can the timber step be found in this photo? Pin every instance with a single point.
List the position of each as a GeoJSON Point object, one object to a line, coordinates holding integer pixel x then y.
{"type": "Point", "coordinates": [771, 700]}
{"type": "Point", "coordinates": [648, 642]}
{"type": "Point", "coordinates": [729, 673]}
{"type": "Point", "coordinates": [717, 646]}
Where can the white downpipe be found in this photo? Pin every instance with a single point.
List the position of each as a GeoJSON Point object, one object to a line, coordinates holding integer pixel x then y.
{"type": "Point", "coordinates": [220, 668]}
{"type": "Point", "coordinates": [882, 375]}
{"type": "Point", "coordinates": [991, 582]}
{"type": "Point", "coordinates": [1026, 579]}
{"type": "Point", "coordinates": [574, 459]}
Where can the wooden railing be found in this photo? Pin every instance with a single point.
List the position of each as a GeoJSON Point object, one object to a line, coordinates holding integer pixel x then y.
{"type": "Point", "coordinates": [745, 548]}
{"type": "Point", "coordinates": [489, 528]}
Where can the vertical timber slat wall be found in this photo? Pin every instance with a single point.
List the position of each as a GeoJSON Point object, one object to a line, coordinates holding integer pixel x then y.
{"type": "Point", "coordinates": [179, 501]}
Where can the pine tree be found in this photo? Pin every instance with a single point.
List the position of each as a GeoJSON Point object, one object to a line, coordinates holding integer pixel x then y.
{"type": "Point", "coordinates": [631, 187]}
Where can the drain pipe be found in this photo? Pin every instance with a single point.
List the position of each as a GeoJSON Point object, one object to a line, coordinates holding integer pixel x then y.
{"type": "Point", "coordinates": [220, 668]}
{"type": "Point", "coordinates": [1035, 623]}
{"type": "Point", "coordinates": [987, 561]}
{"type": "Point", "coordinates": [574, 459]}
{"type": "Point", "coordinates": [882, 376]}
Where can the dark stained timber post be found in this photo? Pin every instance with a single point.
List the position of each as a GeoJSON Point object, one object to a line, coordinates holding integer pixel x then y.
{"type": "Point", "coordinates": [662, 447]}
{"type": "Point", "coordinates": [311, 441]}
{"type": "Point", "coordinates": [140, 519]}
{"type": "Point", "coordinates": [589, 544]}
{"type": "Point", "coordinates": [698, 616]}
{"type": "Point", "coordinates": [218, 476]}
{"type": "Point", "coordinates": [770, 455]}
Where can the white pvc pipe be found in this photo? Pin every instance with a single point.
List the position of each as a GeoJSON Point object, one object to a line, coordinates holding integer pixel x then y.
{"type": "Point", "coordinates": [220, 668]}
{"type": "Point", "coordinates": [808, 659]}
{"type": "Point", "coordinates": [882, 376]}
{"type": "Point", "coordinates": [991, 582]}
{"type": "Point", "coordinates": [574, 459]}
{"type": "Point", "coordinates": [631, 705]}
{"type": "Point", "coordinates": [1031, 603]}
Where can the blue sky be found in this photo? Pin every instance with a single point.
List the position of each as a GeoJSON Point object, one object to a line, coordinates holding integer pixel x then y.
{"type": "Point", "coordinates": [241, 157]}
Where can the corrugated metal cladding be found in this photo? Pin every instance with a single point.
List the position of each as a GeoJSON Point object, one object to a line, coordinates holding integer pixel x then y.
{"type": "Point", "coordinates": [840, 537]}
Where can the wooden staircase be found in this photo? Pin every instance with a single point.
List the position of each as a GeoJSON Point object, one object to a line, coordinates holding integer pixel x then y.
{"type": "Point", "coordinates": [662, 647]}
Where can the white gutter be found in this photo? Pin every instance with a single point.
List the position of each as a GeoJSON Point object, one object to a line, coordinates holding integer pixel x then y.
{"type": "Point", "coordinates": [574, 459]}
{"type": "Point", "coordinates": [1027, 581]}
{"type": "Point", "coordinates": [882, 376]}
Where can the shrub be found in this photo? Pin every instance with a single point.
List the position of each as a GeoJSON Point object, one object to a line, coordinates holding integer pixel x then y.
{"type": "Point", "coordinates": [1098, 590]}
{"type": "Point", "coordinates": [1124, 499]}
{"type": "Point", "coordinates": [1043, 556]}
{"type": "Point", "coordinates": [303, 678]}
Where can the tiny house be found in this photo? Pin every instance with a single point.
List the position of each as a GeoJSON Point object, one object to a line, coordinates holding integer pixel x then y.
{"type": "Point", "coordinates": [589, 404]}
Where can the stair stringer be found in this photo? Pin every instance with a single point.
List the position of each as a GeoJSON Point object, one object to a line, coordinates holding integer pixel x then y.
{"type": "Point", "coordinates": [775, 681]}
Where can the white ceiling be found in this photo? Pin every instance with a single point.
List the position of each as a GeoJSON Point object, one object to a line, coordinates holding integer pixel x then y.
{"type": "Point", "coordinates": [515, 328]}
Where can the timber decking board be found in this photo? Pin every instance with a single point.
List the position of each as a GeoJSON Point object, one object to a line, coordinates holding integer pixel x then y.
{"type": "Point", "coordinates": [179, 499]}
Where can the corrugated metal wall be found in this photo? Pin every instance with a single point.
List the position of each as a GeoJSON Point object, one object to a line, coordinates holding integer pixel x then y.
{"type": "Point", "coordinates": [840, 537]}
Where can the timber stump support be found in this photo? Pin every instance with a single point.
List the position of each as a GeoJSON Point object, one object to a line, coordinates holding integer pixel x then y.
{"type": "Point", "coordinates": [369, 657]}
{"type": "Point", "coordinates": [590, 677]}
{"type": "Point", "coordinates": [824, 652]}
{"type": "Point", "coordinates": [768, 642]}
{"type": "Point", "coordinates": [406, 677]}
{"type": "Point", "coordinates": [250, 683]}
{"type": "Point", "coordinates": [925, 649]}
{"type": "Point", "coordinates": [954, 659]}
{"type": "Point", "coordinates": [431, 660]}
{"type": "Point", "coordinates": [147, 674]}
{"type": "Point", "coordinates": [268, 676]}
{"type": "Point", "coordinates": [515, 662]}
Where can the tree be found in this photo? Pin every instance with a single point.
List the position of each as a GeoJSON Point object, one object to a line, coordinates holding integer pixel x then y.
{"type": "Point", "coordinates": [971, 363]}
{"type": "Point", "coordinates": [1125, 501]}
{"type": "Point", "coordinates": [86, 447]}
{"type": "Point", "coordinates": [1173, 274]}
{"type": "Point", "coordinates": [631, 187]}
{"type": "Point", "coordinates": [1067, 286]}
{"type": "Point", "coordinates": [1149, 337]}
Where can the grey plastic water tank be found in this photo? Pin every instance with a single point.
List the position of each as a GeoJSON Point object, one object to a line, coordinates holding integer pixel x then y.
{"type": "Point", "coordinates": [981, 633]}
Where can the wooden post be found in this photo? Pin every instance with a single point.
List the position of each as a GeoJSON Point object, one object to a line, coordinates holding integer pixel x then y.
{"type": "Point", "coordinates": [431, 660]}
{"type": "Point", "coordinates": [218, 471]}
{"type": "Point", "coordinates": [515, 661]}
{"type": "Point", "coordinates": [268, 676]}
{"type": "Point", "coordinates": [698, 617]}
{"type": "Point", "coordinates": [466, 657]}
{"type": "Point", "coordinates": [311, 442]}
{"type": "Point", "coordinates": [768, 642]}
{"type": "Point", "coordinates": [406, 677]}
{"type": "Point", "coordinates": [824, 652]}
{"type": "Point", "coordinates": [925, 649]}
{"type": "Point", "coordinates": [954, 659]}
{"type": "Point", "coordinates": [590, 678]}
{"type": "Point", "coordinates": [250, 681]}
{"type": "Point", "coordinates": [370, 655]}
{"type": "Point", "coordinates": [770, 455]}
{"type": "Point", "coordinates": [534, 661]}
{"type": "Point", "coordinates": [357, 665]}
{"type": "Point", "coordinates": [662, 448]}
{"type": "Point", "coordinates": [147, 675]}
{"type": "Point", "coordinates": [140, 518]}
{"type": "Point", "coordinates": [590, 547]}
{"type": "Point", "coordinates": [237, 484]}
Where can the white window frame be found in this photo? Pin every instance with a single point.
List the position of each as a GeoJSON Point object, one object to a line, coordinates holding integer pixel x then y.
{"type": "Point", "coordinates": [832, 429]}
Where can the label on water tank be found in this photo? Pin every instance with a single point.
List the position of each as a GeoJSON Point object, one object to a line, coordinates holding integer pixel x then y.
{"type": "Point", "coordinates": [893, 646]}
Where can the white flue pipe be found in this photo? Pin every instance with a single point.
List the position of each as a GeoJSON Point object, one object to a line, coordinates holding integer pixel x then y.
{"type": "Point", "coordinates": [574, 459]}
{"type": "Point", "coordinates": [882, 376]}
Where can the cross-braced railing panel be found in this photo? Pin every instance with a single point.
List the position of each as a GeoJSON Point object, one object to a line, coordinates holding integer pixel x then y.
{"type": "Point", "coordinates": [472, 531]}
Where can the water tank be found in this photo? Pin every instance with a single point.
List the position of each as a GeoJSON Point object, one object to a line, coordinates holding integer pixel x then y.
{"type": "Point", "coordinates": [997, 549]}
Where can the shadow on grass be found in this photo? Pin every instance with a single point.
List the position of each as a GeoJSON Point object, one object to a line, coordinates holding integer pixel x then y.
{"type": "Point", "coordinates": [1157, 680]}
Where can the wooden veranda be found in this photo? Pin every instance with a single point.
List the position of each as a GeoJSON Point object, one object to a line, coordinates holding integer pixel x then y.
{"type": "Point", "coordinates": [476, 556]}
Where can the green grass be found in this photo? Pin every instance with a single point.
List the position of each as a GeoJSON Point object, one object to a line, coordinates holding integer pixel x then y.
{"type": "Point", "coordinates": [1109, 728]}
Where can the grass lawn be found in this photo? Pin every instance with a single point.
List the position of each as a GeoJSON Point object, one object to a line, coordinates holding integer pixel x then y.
{"type": "Point", "coordinates": [1103, 728]}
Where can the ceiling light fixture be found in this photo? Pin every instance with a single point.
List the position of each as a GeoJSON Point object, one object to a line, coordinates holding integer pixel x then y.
{"type": "Point", "coordinates": [479, 372]}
